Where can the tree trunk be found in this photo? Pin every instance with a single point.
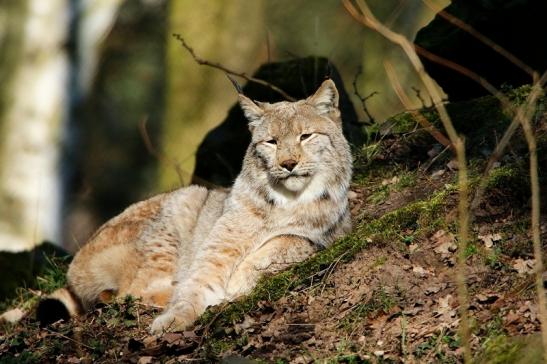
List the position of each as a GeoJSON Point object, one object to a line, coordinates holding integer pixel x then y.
{"type": "Point", "coordinates": [198, 97]}
{"type": "Point", "coordinates": [34, 70]}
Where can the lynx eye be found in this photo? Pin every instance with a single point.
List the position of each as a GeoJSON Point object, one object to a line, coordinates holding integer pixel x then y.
{"type": "Point", "coordinates": [304, 137]}
{"type": "Point", "coordinates": [271, 141]}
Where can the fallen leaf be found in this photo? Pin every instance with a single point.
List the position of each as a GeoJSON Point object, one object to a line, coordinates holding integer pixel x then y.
{"type": "Point", "coordinates": [437, 174]}
{"type": "Point", "coordinates": [453, 165]}
{"type": "Point", "coordinates": [512, 317]}
{"type": "Point", "coordinates": [172, 337]}
{"type": "Point", "coordinates": [145, 360]}
{"type": "Point", "coordinates": [445, 312]}
{"type": "Point", "coordinates": [444, 242]}
{"type": "Point", "coordinates": [489, 239]}
{"type": "Point", "coordinates": [487, 299]}
{"type": "Point", "coordinates": [420, 271]}
{"type": "Point", "coordinates": [524, 266]}
{"type": "Point", "coordinates": [150, 341]}
{"type": "Point", "coordinates": [434, 288]}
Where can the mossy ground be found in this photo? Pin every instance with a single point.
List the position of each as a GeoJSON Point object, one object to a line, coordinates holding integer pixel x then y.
{"type": "Point", "coordinates": [385, 293]}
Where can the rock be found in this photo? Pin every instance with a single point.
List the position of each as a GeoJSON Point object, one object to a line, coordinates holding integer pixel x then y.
{"type": "Point", "coordinates": [518, 26]}
{"type": "Point", "coordinates": [21, 269]}
{"type": "Point", "coordinates": [220, 155]}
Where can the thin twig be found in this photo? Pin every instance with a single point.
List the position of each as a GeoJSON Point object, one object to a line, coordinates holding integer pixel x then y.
{"type": "Point", "coordinates": [365, 16]}
{"type": "Point", "coordinates": [68, 338]}
{"type": "Point", "coordinates": [433, 160]}
{"type": "Point", "coordinates": [507, 106]}
{"type": "Point", "coordinates": [464, 71]}
{"type": "Point", "coordinates": [219, 66]}
{"type": "Point", "coordinates": [500, 147]}
{"type": "Point", "coordinates": [331, 269]}
{"type": "Point", "coordinates": [170, 161]}
{"type": "Point", "coordinates": [362, 98]}
{"type": "Point", "coordinates": [536, 237]}
{"type": "Point", "coordinates": [159, 155]}
{"type": "Point", "coordinates": [418, 116]}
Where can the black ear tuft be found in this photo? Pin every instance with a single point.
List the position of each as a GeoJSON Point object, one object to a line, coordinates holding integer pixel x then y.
{"type": "Point", "coordinates": [51, 310]}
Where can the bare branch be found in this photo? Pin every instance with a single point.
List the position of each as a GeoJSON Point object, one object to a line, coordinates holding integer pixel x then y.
{"type": "Point", "coordinates": [219, 66]}
{"type": "Point", "coordinates": [405, 100]}
{"type": "Point", "coordinates": [160, 156]}
{"type": "Point", "coordinates": [502, 144]}
{"type": "Point", "coordinates": [525, 121]}
{"type": "Point", "coordinates": [366, 17]}
{"type": "Point", "coordinates": [362, 98]}
{"type": "Point", "coordinates": [523, 115]}
{"type": "Point", "coordinates": [237, 86]}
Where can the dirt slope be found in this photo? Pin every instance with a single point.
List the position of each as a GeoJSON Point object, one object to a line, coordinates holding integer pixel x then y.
{"type": "Point", "coordinates": [384, 294]}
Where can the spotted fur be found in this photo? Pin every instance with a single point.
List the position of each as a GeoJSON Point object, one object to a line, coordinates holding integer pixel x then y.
{"type": "Point", "coordinates": [192, 248]}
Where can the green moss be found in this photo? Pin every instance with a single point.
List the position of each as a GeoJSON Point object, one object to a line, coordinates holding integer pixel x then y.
{"type": "Point", "coordinates": [400, 123]}
{"type": "Point", "coordinates": [501, 349]}
{"type": "Point", "coordinates": [508, 184]}
{"type": "Point", "coordinates": [481, 121]}
{"type": "Point", "coordinates": [405, 179]}
{"type": "Point", "coordinates": [512, 178]}
{"type": "Point", "coordinates": [421, 215]}
{"type": "Point", "coordinates": [380, 301]}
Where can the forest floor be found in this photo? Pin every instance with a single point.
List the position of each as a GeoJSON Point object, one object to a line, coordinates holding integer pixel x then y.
{"type": "Point", "coordinates": [384, 294]}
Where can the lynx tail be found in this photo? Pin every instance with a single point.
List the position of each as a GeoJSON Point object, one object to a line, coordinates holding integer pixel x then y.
{"type": "Point", "coordinates": [61, 304]}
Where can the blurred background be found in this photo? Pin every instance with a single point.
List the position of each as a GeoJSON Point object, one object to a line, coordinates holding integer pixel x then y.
{"type": "Point", "coordinates": [100, 106]}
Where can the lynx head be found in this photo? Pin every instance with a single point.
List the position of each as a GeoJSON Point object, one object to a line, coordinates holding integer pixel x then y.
{"type": "Point", "coordinates": [297, 143]}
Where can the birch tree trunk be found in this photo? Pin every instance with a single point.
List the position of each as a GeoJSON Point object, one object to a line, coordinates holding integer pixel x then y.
{"type": "Point", "coordinates": [34, 91]}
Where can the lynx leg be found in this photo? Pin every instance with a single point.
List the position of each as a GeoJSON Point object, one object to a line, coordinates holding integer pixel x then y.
{"type": "Point", "coordinates": [273, 256]}
{"type": "Point", "coordinates": [153, 282]}
{"type": "Point", "coordinates": [210, 289]}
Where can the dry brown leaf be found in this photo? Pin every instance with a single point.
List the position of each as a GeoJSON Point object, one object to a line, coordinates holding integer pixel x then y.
{"type": "Point", "coordinates": [490, 239]}
{"type": "Point", "coordinates": [524, 266]}
{"type": "Point", "coordinates": [453, 165]}
{"type": "Point", "coordinates": [172, 337]}
{"type": "Point", "coordinates": [444, 242]}
{"type": "Point", "coordinates": [487, 298]}
{"type": "Point", "coordinates": [512, 317]}
{"type": "Point", "coordinates": [145, 360]}
{"type": "Point", "coordinates": [150, 341]}
{"type": "Point", "coordinates": [437, 174]}
{"type": "Point", "coordinates": [420, 271]}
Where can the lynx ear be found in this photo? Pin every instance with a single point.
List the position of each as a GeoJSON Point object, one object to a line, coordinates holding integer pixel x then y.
{"type": "Point", "coordinates": [252, 111]}
{"type": "Point", "coordinates": [325, 99]}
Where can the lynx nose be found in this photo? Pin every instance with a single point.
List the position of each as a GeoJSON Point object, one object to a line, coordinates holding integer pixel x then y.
{"type": "Point", "coordinates": [289, 164]}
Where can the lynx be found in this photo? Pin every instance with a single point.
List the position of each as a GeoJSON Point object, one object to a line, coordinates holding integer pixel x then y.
{"type": "Point", "coordinates": [192, 248]}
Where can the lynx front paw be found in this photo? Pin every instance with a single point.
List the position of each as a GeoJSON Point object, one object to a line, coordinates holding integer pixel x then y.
{"type": "Point", "coordinates": [174, 319]}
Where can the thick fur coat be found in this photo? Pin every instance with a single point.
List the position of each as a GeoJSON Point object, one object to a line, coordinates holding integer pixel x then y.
{"type": "Point", "coordinates": [193, 247]}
